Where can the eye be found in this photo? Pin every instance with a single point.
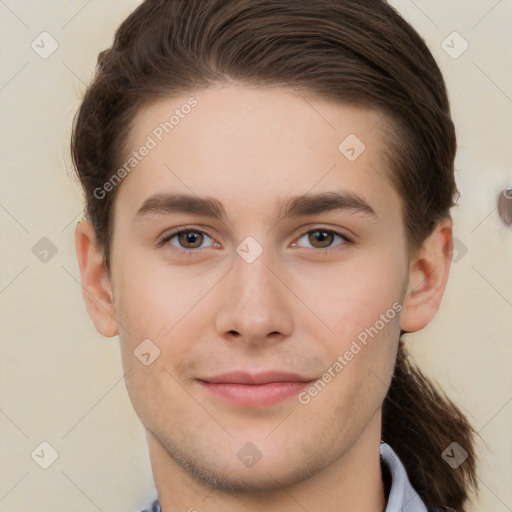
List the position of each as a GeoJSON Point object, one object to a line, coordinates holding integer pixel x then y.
{"type": "Point", "coordinates": [187, 239]}
{"type": "Point", "coordinates": [323, 239]}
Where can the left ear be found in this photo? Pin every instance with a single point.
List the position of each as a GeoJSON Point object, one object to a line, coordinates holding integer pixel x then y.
{"type": "Point", "coordinates": [428, 275]}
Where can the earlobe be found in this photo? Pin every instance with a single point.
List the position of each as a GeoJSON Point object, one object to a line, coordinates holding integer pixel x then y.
{"type": "Point", "coordinates": [96, 286]}
{"type": "Point", "coordinates": [428, 275]}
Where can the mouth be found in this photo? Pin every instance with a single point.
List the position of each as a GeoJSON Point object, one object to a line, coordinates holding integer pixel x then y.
{"type": "Point", "coordinates": [255, 390]}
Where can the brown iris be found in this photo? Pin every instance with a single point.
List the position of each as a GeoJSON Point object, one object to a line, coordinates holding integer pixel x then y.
{"type": "Point", "coordinates": [194, 238]}
{"type": "Point", "coordinates": [321, 236]}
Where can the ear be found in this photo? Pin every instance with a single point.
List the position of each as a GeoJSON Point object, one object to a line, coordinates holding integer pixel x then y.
{"type": "Point", "coordinates": [96, 286]}
{"type": "Point", "coordinates": [428, 274]}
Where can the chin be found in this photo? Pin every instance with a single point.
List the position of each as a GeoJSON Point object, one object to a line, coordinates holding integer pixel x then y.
{"type": "Point", "coordinates": [240, 474]}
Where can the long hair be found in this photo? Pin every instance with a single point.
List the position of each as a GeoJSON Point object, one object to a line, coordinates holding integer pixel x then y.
{"type": "Point", "coordinates": [421, 424]}
{"type": "Point", "coordinates": [359, 52]}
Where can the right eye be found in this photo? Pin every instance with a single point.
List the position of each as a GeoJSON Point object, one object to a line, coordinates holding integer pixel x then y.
{"type": "Point", "coordinates": [186, 239]}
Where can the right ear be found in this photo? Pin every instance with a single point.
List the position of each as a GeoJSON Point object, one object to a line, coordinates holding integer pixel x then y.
{"type": "Point", "coordinates": [96, 286]}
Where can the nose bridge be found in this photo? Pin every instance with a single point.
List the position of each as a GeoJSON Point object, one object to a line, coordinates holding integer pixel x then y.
{"type": "Point", "coordinates": [256, 303]}
{"type": "Point", "coordinates": [253, 281]}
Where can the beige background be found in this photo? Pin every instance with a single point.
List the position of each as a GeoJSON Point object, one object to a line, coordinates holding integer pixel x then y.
{"type": "Point", "coordinates": [61, 382]}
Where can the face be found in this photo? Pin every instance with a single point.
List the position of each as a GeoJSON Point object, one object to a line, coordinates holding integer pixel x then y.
{"type": "Point", "coordinates": [258, 269]}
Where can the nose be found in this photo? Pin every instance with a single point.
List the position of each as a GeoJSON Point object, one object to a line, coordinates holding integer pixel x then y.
{"type": "Point", "coordinates": [257, 307]}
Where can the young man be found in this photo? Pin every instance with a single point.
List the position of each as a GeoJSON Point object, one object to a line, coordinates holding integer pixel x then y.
{"type": "Point", "coordinates": [268, 188]}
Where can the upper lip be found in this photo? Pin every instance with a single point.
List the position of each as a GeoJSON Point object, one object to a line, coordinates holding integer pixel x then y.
{"type": "Point", "coordinates": [240, 377]}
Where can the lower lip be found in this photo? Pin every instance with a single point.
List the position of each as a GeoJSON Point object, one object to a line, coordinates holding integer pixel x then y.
{"type": "Point", "coordinates": [255, 395]}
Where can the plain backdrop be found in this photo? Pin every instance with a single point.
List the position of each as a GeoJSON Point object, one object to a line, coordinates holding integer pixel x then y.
{"type": "Point", "coordinates": [61, 382]}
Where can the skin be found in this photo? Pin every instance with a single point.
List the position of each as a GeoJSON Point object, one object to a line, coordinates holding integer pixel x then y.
{"type": "Point", "coordinates": [296, 308]}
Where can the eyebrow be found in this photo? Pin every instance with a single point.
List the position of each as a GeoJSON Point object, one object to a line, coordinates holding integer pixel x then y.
{"type": "Point", "coordinates": [308, 204]}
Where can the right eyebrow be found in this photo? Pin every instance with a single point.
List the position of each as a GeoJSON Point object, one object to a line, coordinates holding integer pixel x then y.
{"type": "Point", "coordinates": [161, 204]}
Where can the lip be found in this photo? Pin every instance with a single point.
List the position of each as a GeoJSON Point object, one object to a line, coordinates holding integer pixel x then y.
{"type": "Point", "coordinates": [255, 389]}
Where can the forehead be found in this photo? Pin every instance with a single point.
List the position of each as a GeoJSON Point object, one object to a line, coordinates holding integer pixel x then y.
{"type": "Point", "coordinates": [253, 143]}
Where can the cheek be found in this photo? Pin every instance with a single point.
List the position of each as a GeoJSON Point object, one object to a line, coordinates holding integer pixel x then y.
{"type": "Point", "coordinates": [153, 301]}
{"type": "Point", "coordinates": [356, 378]}
{"type": "Point", "coordinates": [153, 308]}
{"type": "Point", "coordinates": [163, 305]}
{"type": "Point", "coordinates": [361, 306]}
{"type": "Point", "coordinates": [360, 295]}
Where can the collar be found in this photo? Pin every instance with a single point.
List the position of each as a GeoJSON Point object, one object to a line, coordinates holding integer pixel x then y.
{"type": "Point", "coordinates": [402, 496]}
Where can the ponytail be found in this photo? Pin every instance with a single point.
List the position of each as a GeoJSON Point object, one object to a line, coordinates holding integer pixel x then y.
{"type": "Point", "coordinates": [419, 422]}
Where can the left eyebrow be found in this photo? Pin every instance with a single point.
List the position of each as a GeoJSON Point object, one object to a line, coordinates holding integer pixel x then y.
{"type": "Point", "coordinates": [312, 204]}
{"type": "Point", "coordinates": [308, 204]}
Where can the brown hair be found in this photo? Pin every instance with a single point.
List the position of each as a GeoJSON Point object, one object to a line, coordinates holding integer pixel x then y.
{"type": "Point", "coordinates": [360, 52]}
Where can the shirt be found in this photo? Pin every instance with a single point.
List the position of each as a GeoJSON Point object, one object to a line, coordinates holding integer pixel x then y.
{"type": "Point", "coordinates": [402, 496]}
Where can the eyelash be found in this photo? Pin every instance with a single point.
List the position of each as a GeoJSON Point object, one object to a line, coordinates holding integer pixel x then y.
{"type": "Point", "coordinates": [166, 238]}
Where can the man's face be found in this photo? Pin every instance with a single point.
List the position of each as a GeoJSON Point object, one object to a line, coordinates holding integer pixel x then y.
{"type": "Point", "coordinates": [273, 287]}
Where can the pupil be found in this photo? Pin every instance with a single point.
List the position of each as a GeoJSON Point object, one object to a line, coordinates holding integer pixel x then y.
{"type": "Point", "coordinates": [191, 238]}
{"type": "Point", "coordinates": [322, 237]}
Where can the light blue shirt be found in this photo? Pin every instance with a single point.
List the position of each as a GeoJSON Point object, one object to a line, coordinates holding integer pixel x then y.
{"type": "Point", "coordinates": [402, 496]}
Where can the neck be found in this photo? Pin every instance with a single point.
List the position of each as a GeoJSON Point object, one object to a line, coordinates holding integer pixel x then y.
{"type": "Point", "coordinates": [353, 482]}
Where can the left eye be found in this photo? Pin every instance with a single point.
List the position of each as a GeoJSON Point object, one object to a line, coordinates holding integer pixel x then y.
{"type": "Point", "coordinates": [322, 238]}
{"type": "Point", "coordinates": [188, 239]}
